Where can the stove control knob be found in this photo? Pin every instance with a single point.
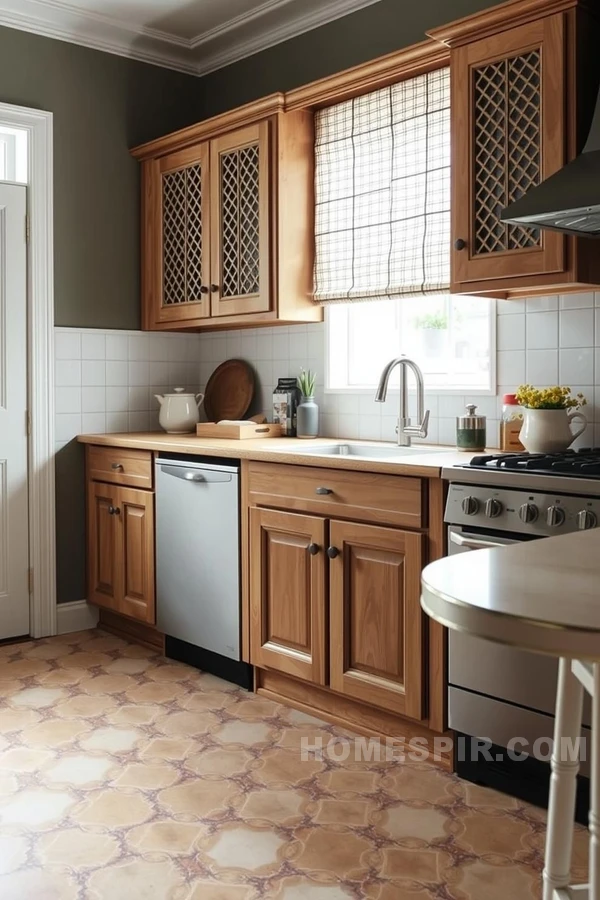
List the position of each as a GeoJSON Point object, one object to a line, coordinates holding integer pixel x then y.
{"type": "Point", "coordinates": [470, 506]}
{"type": "Point", "coordinates": [528, 513]}
{"type": "Point", "coordinates": [586, 520]}
{"type": "Point", "coordinates": [555, 517]}
{"type": "Point", "coordinates": [493, 508]}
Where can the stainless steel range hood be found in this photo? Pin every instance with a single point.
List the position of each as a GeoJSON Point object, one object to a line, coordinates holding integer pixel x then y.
{"type": "Point", "coordinates": [568, 201]}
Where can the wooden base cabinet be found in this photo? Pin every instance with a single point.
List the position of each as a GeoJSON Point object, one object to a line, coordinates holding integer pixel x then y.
{"type": "Point", "coordinates": [120, 538]}
{"type": "Point", "coordinates": [288, 593]}
{"type": "Point", "coordinates": [336, 603]}
{"type": "Point", "coordinates": [376, 623]}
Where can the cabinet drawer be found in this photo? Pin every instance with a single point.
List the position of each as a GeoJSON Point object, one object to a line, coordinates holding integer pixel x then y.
{"type": "Point", "coordinates": [363, 496]}
{"type": "Point", "coordinates": [132, 468]}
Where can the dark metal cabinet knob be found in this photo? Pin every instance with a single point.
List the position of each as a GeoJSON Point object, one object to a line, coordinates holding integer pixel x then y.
{"type": "Point", "coordinates": [323, 491]}
{"type": "Point", "coordinates": [214, 288]}
{"type": "Point", "coordinates": [460, 244]}
{"type": "Point", "coordinates": [313, 549]}
{"type": "Point", "coordinates": [332, 552]}
{"type": "Point", "coordinates": [116, 467]}
{"type": "Point", "coordinates": [114, 511]}
{"type": "Point", "coordinates": [204, 289]}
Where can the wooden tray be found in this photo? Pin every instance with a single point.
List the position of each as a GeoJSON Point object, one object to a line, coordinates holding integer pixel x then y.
{"type": "Point", "coordinates": [238, 432]}
{"type": "Point", "coordinates": [229, 391]}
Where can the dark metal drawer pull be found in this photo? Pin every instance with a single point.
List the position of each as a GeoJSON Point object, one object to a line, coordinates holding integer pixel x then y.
{"type": "Point", "coordinates": [116, 466]}
{"type": "Point", "coordinates": [323, 490]}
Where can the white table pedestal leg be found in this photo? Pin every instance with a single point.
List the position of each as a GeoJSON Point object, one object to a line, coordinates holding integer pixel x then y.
{"type": "Point", "coordinates": [594, 883]}
{"type": "Point", "coordinates": [563, 783]}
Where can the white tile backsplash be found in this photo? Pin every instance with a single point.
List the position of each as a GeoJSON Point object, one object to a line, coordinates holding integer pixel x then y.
{"type": "Point", "coordinates": [542, 340]}
{"type": "Point", "coordinates": [106, 381]}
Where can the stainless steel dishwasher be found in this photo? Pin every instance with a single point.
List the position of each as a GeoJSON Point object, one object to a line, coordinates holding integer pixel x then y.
{"type": "Point", "coordinates": [198, 562]}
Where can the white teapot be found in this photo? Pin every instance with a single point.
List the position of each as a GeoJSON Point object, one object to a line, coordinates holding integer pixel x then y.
{"type": "Point", "coordinates": [179, 412]}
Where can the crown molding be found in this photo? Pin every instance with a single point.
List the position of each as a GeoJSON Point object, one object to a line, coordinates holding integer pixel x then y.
{"type": "Point", "coordinates": [248, 34]}
{"type": "Point", "coordinates": [490, 21]}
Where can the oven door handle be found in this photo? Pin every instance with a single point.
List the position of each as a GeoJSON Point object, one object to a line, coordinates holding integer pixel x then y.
{"type": "Point", "coordinates": [471, 543]}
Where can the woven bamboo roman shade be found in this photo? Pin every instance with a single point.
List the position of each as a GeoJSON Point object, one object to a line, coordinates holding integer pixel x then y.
{"type": "Point", "coordinates": [383, 193]}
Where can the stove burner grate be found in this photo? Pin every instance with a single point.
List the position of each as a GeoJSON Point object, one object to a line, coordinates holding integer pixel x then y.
{"type": "Point", "coordinates": [584, 463]}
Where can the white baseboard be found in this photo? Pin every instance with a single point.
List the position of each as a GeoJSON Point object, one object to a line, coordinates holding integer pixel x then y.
{"type": "Point", "coordinates": [76, 616]}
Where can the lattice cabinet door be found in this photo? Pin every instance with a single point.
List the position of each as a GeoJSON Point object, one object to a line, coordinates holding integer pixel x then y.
{"type": "Point", "coordinates": [177, 237]}
{"type": "Point", "coordinates": [241, 192]}
{"type": "Point", "coordinates": [509, 134]}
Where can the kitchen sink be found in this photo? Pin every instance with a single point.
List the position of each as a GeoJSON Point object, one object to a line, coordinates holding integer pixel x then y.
{"type": "Point", "coordinates": [367, 451]}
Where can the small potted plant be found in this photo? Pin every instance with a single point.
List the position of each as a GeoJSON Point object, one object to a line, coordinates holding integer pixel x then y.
{"type": "Point", "coordinates": [434, 328]}
{"type": "Point", "coordinates": [308, 412]}
{"type": "Point", "coordinates": [548, 414]}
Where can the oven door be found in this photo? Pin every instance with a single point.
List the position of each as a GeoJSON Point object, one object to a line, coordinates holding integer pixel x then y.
{"type": "Point", "coordinates": [489, 669]}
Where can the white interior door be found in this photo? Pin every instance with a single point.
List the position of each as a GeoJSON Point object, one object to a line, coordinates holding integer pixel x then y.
{"type": "Point", "coordinates": [14, 531]}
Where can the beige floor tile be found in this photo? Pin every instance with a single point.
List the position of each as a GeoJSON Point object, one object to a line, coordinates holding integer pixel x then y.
{"type": "Point", "coordinates": [241, 847]}
{"type": "Point", "coordinates": [36, 807]}
{"type": "Point", "coordinates": [79, 770]}
{"type": "Point", "coordinates": [127, 777]}
{"type": "Point", "coordinates": [141, 879]}
{"type": "Point", "coordinates": [112, 740]}
{"type": "Point", "coordinates": [76, 848]}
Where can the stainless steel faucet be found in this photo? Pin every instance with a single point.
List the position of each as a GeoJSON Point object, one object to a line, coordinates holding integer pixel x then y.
{"type": "Point", "coordinates": [405, 430]}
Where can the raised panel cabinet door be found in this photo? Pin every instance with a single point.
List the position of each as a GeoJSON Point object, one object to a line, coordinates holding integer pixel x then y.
{"type": "Point", "coordinates": [288, 593]}
{"type": "Point", "coordinates": [135, 523]}
{"type": "Point", "coordinates": [376, 623]}
{"type": "Point", "coordinates": [176, 226]}
{"type": "Point", "coordinates": [508, 135]}
{"type": "Point", "coordinates": [103, 545]}
{"type": "Point", "coordinates": [240, 198]}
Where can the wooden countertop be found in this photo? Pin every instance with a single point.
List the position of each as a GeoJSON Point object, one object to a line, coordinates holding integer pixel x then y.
{"type": "Point", "coordinates": [284, 450]}
{"type": "Point", "coordinates": [542, 595]}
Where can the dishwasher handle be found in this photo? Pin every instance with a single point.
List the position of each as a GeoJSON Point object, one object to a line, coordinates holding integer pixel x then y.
{"type": "Point", "coordinates": [196, 476]}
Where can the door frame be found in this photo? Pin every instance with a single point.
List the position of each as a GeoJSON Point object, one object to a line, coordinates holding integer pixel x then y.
{"type": "Point", "coordinates": [40, 363]}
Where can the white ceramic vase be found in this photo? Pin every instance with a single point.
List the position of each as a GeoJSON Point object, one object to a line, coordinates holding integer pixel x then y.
{"type": "Point", "coordinates": [549, 430]}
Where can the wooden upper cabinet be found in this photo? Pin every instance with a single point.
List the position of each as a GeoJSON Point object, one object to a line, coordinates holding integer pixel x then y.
{"type": "Point", "coordinates": [228, 221]}
{"type": "Point", "coordinates": [508, 135]}
{"type": "Point", "coordinates": [519, 98]}
{"type": "Point", "coordinates": [240, 181]}
{"type": "Point", "coordinates": [176, 254]}
{"type": "Point", "coordinates": [376, 622]}
{"type": "Point", "coordinates": [288, 593]}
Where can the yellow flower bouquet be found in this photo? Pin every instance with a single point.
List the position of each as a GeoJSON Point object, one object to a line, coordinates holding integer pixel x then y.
{"type": "Point", "coordinates": [549, 398]}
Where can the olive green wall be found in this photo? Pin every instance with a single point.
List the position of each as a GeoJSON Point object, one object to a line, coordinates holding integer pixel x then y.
{"type": "Point", "coordinates": [102, 105]}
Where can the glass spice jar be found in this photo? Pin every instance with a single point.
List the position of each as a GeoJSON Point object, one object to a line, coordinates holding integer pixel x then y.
{"type": "Point", "coordinates": [510, 425]}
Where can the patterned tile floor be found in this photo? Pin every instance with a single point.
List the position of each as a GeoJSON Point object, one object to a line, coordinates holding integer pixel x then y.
{"type": "Point", "coordinates": [124, 776]}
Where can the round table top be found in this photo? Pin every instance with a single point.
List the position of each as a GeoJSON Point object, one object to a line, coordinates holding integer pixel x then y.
{"type": "Point", "coordinates": [541, 595]}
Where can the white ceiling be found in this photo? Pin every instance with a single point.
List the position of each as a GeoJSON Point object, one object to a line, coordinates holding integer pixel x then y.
{"type": "Point", "coordinates": [195, 36]}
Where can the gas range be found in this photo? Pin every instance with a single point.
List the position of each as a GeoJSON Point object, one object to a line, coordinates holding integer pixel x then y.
{"type": "Point", "coordinates": [529, 494]}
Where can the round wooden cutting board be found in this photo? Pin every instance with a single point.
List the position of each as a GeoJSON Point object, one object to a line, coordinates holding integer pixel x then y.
{"type": "Point", "coordinates": [229, 391]}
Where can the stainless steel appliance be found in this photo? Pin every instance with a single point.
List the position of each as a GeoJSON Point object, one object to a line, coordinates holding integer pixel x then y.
{"type": "Point", "coordinates": [198, 563]}
{"type": "Point", "coordinates": [497, 692]}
